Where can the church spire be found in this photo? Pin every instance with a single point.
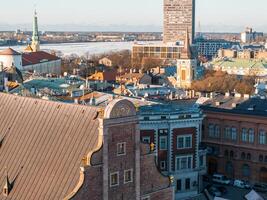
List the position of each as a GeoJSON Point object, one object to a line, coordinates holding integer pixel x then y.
{"type": "Point", "coordinates": [35, 34]}
{"type": "Point", "coordinates": [186, 52]}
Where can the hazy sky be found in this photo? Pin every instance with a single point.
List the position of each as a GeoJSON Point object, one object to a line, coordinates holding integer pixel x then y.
{"type": "Point", "coordinates": [214, 15]}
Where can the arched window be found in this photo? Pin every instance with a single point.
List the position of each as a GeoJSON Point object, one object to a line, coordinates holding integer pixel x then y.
{"type": "Point", "coordinates": [246, 170]}
{"type": "Point", "coordinates": [248, 156]}
{"type": "Point", "coordinates": [243, 156]}
{"type": "Point", "coordinates": [226, 153]}
{"type": "Point", "coordinates": [261, 158]}
{"type": "Point", "coordinates": [231, 154]}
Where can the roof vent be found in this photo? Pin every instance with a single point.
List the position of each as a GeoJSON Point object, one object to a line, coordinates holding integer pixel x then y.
{"type": "Point", "coordinates": [252, 108]}
{"type": "Point", "coordinates": [7, 187]}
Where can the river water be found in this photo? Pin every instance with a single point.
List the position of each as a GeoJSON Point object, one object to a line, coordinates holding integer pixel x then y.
{"type": "Point", "coordinates": [81, 49]}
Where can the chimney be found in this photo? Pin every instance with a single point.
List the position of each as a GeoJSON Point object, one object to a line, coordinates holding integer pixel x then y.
{"type": "Point", "coordinates": [227, 94]}
{"type": "Point", "coordinates": [7, 187]}
{"type": "Point", "coordinates": [246, 96]}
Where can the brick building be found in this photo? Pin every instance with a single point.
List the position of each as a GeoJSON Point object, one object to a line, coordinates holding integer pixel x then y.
{"type": "Point", "coordinates": [175, 130]}
{"type": "Point", "coordinates": [235, 133]}
{"type": "Point", "coordinates": [53, 150]}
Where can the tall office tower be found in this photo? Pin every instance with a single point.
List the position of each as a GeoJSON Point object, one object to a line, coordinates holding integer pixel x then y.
{"type": "Point", "coordinates": [179, 15]}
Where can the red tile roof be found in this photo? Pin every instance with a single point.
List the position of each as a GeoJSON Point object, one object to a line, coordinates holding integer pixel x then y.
{"type": "Point", "coordinates": [9, 52]}
{"type": "Point", "coordinates": [33, 58]}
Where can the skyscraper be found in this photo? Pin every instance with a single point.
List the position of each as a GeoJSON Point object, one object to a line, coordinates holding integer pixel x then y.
{"type": "Point", "coordinates": [179, 15]}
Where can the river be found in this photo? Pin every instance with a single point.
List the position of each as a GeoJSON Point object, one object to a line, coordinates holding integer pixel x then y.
{"type": "Point", "coordinates": [80, 49]}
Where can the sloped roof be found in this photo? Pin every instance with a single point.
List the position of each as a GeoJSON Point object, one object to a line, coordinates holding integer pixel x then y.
{"type": "Point", "coordinates": [9, 52]}
{"type": "Point", "coordinates": [33, 58]}
{"type": "Point", "coordinates": [43, 144]}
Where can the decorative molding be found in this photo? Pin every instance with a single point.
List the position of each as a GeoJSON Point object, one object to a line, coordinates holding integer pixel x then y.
{"type": "Point", "coordinates": [78, 186]}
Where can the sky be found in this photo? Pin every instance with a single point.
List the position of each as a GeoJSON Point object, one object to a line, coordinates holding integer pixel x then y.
{"type": "Point", "coordinates": [130, 15]}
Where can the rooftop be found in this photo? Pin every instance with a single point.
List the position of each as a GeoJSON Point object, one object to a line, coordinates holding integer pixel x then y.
{"type": "Point", "coordinates": [33, 58]}
{"type": "Point", "coordinates": [9, 51]}
{"type": "Point", "coordinates": [42, 146]}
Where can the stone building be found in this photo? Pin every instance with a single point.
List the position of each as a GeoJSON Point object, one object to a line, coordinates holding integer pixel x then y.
{"type": "Point", "coordinates": [51, 150]}
{"type": "Point", "coordinates": [235, 133]}
{"type": "Point", "coordinates": [175, 131]}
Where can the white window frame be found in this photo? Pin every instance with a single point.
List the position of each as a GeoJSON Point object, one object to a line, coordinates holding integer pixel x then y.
{"type": "Point", "coordinates": [180, 158]}
{"type": "Point", "coordinates": [184, 141]}
{"type": "Point", "coordinates": [166, 139]}
{"type": "Point", "coordinates": [146, 138]}
{"type": "Point", "coordinates": [124, 153]}
{"type": "Point", "coordinates": [145, 198]}
{"type": "Point", "coordinates": [110, 179]}
{"type": "Point", "coordinates": [125, 171]}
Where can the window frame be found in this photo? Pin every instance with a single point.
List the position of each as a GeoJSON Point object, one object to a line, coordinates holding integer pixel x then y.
{"type": "Point", "coordinates": [163, 168]}
{"type": "Point", "coordinates": [184, 137]}
{"type": "Point", "coordinates": [131, 179]}
{"type": "Point", "coordinates": [118, 179]}
{"type": "Point", "coordinates": [146, 138]}
{"type": "Point", "coordinates": [124, 151]}
{"type": "Point", "coordinates": [166, 143]}
{"type": "Point", "coordinates": [180, 162]}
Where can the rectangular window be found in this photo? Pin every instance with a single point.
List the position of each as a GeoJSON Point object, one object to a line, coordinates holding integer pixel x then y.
{"type": "Point", "coordinates": [163, 142]}
{"type": "Point", "coordinates": [184, 142]}
{"type": "Point", "coordinates": [121, 149]}
{"type": "Point", "coordinates": [251, 135]}
{"type": "Point", "coordinates": [146, 139]}
{"type": "Point", "coordinates": [184, 162]}
{"type": "Point", "coordinates": [262, 137]}
{"type": "Point", "coordinates": [234, 133]}
{"type": "Point", "coordinates": [201, 161]}
{"type": "Point", "coordinates": [179, 185]}
{"type": "Point", "coordinates": [187, 184]}
{"type": "Point", "coordinates": [183, 75]}
{"type": "Point", "coordinates": [128, 176]}
{"type": "Point", "coordinates": [114, 179]}
{"type": "Point", "coordinates": [211, 130]}
{"type": "Point", "coordinates": [244, 135]}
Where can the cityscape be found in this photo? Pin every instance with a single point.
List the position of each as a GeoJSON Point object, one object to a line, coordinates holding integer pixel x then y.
{"type": "Point", "coordinates": [178, 113]}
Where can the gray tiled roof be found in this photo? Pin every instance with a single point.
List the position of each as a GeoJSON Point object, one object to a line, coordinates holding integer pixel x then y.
{"type": "Point", "coordinates": [43, 146]}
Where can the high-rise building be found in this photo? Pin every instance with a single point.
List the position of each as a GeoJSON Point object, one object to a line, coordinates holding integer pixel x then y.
{"type": "Point", "coordinates": [179, 15]}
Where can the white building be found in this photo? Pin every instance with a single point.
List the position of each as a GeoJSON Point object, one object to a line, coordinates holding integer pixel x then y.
{"type": "Point", "coordinates": [249, 36]}
{"type": "Point", "coordinates": [175, 131]}
{"type": "Point", "coordinates": [10, 58]}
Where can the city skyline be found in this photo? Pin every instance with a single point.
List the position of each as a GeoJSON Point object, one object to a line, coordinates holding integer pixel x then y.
{"type": "Point", "coordinates": [116, 17]}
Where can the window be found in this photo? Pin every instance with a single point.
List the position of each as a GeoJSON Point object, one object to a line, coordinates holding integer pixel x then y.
{"type": "Point", "coordinates": [121, 149]}
{"type": "Point", "coordinates": [261, 158]}
{"type": "Point", "coordinates": [227, 133]}
{"type": "Point", "coordinates": [128, 176]}
{"type": "Point", "coordinates": [163, 165]}
{"type": "Point", "coordinates": [146, 139]}
{"type": "Point", "coordinates": [243, 156]}
{"type": "Point", "coordinates": [211, 130]}
{"type": "Point", "coordinates": [265, 159]}
{"type": "Point", "coordinates": [226, 153]}
{"type": "Point", "coordinates": [248, 156]}
{"type": "Point", "coordinates": [184, 162]}
{"type": "Point", "coordinates": [251, 135]}
{"type": "Point", "coordinates": [244, 135]}
{"type": "Point", "coordinates": [179, 185]}
{"type": "Point", "coordinates": [184, 142]}
{"type": "Point", "coordinates": [232, 154]}
{"type": "Point", "coordinates": [163, 142]}
{"type": "Point", "coordinates": [234, 133]}
{"type": "Point", "coordinates": [114, 179]}
{"type": "Point", "coordinates": [262, 137]}
{"type": "Point", "coordinates": [217, 131]}
{"type": "Point", "coordinates": [145, 198]}
{"type": "Point", "coordinates": [183, 75]}
{"type": "Point", "coordinates": [201, 161]}
{"type": "Point", "coordinates": [246, 170]}
{"type": "Point", "coordinates": [187, 184]}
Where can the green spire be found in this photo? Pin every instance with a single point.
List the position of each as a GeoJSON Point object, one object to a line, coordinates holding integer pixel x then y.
{"type": "Point", "coordinates": [35, 33]}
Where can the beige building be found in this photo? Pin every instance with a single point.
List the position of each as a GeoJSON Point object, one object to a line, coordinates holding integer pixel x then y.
{"type": "Point", "coordinates": [179, 15]}
{"type": "Point", "coordinates": [106, 61]}
{"type": "Point", "coordinates": [186, 67]}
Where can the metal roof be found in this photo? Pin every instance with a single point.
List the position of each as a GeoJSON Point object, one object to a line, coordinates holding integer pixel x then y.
{"type": "Point", "coordinates": [43, 144]}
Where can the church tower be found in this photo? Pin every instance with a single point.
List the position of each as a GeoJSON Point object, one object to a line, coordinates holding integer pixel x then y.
{"type": "Point", "coordinates": [35, 46]}
{"type": "Point", "coordinates": [186, 66]}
